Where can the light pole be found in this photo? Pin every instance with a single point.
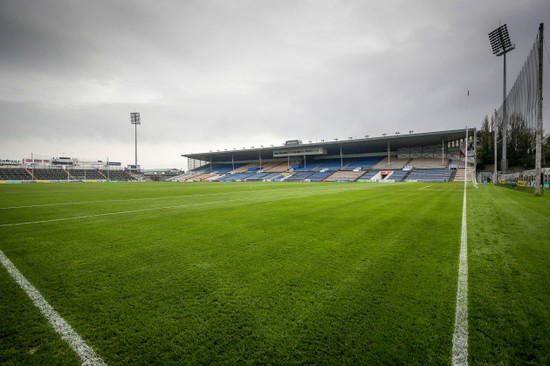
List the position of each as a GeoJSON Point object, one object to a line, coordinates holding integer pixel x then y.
{"type": "Point", "coordinates": [135, 119]}
{"type": "Point", "coordinates": [388, 142]}
{"type": "Point", "coordinates": [501, 45]}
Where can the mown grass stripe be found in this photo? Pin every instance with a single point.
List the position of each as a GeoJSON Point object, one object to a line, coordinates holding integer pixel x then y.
{"type": "Point", "coordinates": [134, 199]}
{"type": "Point", "coordinates": [254, 200]}
{"type": "Point", "coordinates": [68, 334]}
{"type": "Point", "coordinates": [460, 337]}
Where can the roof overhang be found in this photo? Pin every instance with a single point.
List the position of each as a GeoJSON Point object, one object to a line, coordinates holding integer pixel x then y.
{"type": "Point", "coordinates": [369, 145]}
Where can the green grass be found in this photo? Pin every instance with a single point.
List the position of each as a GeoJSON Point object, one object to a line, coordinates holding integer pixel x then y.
{"type": "Point", "coordinates": [509, 258]}
{"type": "Point", "coordinates": [259, 273]}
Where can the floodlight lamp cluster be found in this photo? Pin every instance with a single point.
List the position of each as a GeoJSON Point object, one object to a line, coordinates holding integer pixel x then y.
{"type": "Point", "coordinates": [500, 41]}
{"type": "Point", "coordinates": [135, 118]}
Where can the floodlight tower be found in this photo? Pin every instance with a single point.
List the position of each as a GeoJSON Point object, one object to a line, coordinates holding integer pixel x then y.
{"type": "Point", "coordinates": [501, 45]}
{"type": "Point", "coordinates": [135, 119]}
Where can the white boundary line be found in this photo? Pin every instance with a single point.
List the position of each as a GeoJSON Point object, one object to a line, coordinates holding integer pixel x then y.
{"type": "Point", "coordinates": [424, 187]}
{"type": "Point", "coordinates": [68, 334]}
{"type": "Point", "coordinates": [460, 336]}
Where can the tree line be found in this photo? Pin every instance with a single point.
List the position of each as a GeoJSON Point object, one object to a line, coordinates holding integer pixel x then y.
{"type": "Point", "coordinates": [520, 146]}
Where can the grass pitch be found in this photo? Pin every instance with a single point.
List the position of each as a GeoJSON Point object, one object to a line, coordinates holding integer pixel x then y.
{"type": "Point", "coordinates": [254, 273]}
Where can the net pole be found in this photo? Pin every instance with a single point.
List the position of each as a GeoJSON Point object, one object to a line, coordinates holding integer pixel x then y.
{"type": "Point", "coordinates": [475, 157]}
{"type": "Point", "coordinates": [503, 164]}
{"type": "Point", "coordinates": [538, 157]}
{"type": "Point", "coordinates": [495, 124]}
{"type": "Point", "coordinates": [466, 157]}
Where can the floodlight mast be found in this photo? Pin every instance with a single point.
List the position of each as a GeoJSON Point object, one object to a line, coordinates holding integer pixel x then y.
{"type": "Point", "coordinates": [135, 119]}
{"type": "Point", "coordinates": [501, 45]}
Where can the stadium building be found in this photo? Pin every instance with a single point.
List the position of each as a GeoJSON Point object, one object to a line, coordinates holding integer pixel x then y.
{"type": "Point", "coordinates": [433, 156]}
{"type": "Point", "coordinates": [63, 169]}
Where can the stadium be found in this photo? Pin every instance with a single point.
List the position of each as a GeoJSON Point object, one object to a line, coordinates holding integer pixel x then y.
{"type": "Point", "coordinates": [423, 157]}
{"type": "Point", "coordinates": [430, 157]}
{"type": "Point", "coordinates": [423, 248]}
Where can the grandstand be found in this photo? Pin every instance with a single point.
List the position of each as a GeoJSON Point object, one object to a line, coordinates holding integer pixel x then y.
{"type": "Point", "coordinates": [275, 167]}
{"type": "Point", "coordinates": [320, 176]}
{"type": "Point", "coordinates": [393, 163]}
{"type": "Point", "coordinates": [429, 163]}
{"type": "Point", "coordinates": [345, 176]}
{"type": "Point", "coordinates": [431, 156]}
{"type": "Point", "coordinates": [8, 174]}
{"type": "Point", "coordinates": [363, 164]}
{"type": "Point", "coordinates": [51, 170]}
{"type": "Point", "coordinates": [430, 175]}
{"type": "Point", "coordinates": [300, 176]}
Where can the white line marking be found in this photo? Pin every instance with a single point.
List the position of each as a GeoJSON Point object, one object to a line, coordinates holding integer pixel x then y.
{"type": "Point", "coordinates": [68, 334]}
{"type": "Point", "coordinates": [460, 337]}
{"type": "Point", "coordinates": [424, 187]}
{"type": "Point", "coordinates": [254, 200]}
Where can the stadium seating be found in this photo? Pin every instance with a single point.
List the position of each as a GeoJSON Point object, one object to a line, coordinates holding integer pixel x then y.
{"type": "Point", "coordinates": [258, 177]}
{"type": "Point", "coordinates": [236, 177]}
{"type": "Point", "coordinates": [460, 175]}
{"type": "Point", "coordinates": [350, 176]}
{"type": "Point", "coordinates": [262, 177]}
{"type": "Point", "coordinates": [429, 163]}
{"type": "Point", "coordinates": [363, 163]}
{"type": "Point", "coordinates": [458, 163]}
{"type": "Point", "coordinates": [299, 177]}
{"type": "Point", "coordinates": [280, 177]}
{"type": "Point", "coordinates": [328, 164]}
{"type": "Point", "coordinates": [14, 174]}
{"type": "Point", "coordinates": [310, 165]}
{"type": "Point", "coordinates": [244, 168]}
{"type": "Point", "coordinates": [272, 176]}
{"type": "Point", "coordinates": [275, 167]}
{"type": "Point", "coordinates": [320, 176]}
{"type": "Point", "coordinates": [395, 163]}
{"type": "Point", "coordinates": [396, 176]}
{"type": "Point", "coordinates": [430, 175]}
{"type": "Point", "coordinates": [200, 177]}
{"type": "Point", "coordinates": [223, 168]}
{"type": "Point", "coordinates": [85, 174]}
{"type": "Point", "coordinates": [119, 175]}
{"type": "Point", "coordinates": [58, 174]}
{"type": "Point", "coordinates": [51, 174]}
{"type": "Point", "coordinates": [369, 175]}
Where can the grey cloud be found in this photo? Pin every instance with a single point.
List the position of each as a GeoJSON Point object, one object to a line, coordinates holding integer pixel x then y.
{"type": "Point", "coordinates": [219, 74]}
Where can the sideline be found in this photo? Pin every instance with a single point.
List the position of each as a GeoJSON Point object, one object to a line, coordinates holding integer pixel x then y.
{"type": "Point", "coordinates": [460, 336]}
{"type": "Point", "coordinates": [68, 334]}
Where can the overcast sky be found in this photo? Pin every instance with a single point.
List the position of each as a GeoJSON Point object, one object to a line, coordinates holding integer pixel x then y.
{"type": "Point", "coordinates": [223, 74]}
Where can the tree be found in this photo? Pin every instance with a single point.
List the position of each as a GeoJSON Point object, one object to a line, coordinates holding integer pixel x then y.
{"type": "Point", "coordinates": [546, 151]}
{"type": "Point", "coordinates": [521, 143]}
{"type": "Point", "coordinates": [485, 148]}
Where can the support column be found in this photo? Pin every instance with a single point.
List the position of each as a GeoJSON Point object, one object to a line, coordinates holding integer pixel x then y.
{"type": "Point", "coordinates": [389, 159]}
{"type": "Point", "coordinates": [538, 155]}
{"type": "Point", "coordinates": [442, 151]}
{"type": "Point", "coordinates": [504, 162]}
{"type": "Point", "coordinates": [495, 133]}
